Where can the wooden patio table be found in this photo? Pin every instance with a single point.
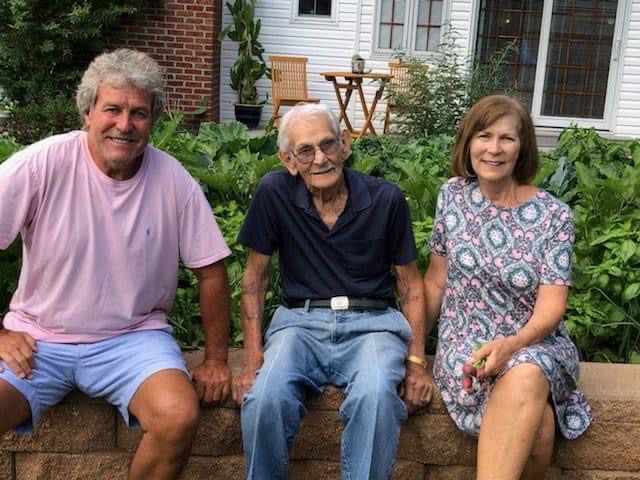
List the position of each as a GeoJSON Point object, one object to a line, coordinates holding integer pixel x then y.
{"type": "Point", "coordinates": [344, 89]}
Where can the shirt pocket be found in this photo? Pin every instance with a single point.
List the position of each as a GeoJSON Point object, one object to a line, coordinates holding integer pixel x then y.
{"type": "Point", "coordinates": [366, 259]}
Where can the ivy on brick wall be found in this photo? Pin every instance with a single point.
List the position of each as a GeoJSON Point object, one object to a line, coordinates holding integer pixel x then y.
{"type": "Point", "coordinates": [45, 45]}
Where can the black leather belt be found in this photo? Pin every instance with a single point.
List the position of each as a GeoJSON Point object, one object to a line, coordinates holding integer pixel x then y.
{"type": "Point", "coordinates": [343, 303]}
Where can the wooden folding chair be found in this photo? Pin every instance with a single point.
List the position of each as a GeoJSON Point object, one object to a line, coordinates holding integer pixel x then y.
{"type": "Point", "coordinates": [288, 83]}
{"type": "Point", "coordinates": [398, 83]}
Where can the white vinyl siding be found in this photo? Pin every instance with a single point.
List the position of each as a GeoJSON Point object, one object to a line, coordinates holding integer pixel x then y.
{"type": "Point", "coordinates": [328, 46]}
{"type": "Point", "coordinates": [330, 43]}
{"type": "Point", "coordinates": [627, 114]}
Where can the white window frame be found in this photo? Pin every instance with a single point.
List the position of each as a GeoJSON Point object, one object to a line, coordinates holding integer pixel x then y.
{"type": "Point", "coordinates": [409, 30]}
{"type": "Point", "coordinates": [607, 123]}
{"type": "Point", "coordinates": [317, 19]}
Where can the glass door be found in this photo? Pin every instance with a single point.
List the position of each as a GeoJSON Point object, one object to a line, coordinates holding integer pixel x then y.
{"type": "Point", "coordinates": [567, 60]}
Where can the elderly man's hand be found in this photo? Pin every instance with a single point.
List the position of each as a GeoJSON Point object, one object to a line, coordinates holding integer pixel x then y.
{"type": "Point", "coordinates": [16, 350]}
{"type": "Point", "coordinates": [212, 379]}
{"type": "Point", "coordinates": [417, 388]}
{"type": "Point", "coordinates": [244, 381]}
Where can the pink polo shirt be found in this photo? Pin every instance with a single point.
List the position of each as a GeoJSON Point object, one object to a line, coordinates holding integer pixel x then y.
{"type": "Point", "coordinates": [100, 256]}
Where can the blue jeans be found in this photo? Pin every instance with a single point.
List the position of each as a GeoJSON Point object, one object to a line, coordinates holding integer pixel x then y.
{"type": "Point", "coordinates": [362, 352]}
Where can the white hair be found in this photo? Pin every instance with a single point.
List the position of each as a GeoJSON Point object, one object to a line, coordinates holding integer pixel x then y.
{"type": "Point", "coordinates": [306, 109]}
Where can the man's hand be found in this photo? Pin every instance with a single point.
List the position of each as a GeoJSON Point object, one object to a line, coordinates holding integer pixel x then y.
{"type": "Point", "coordinates": [417, 388]}
{"type": "Point", "coordinates": [16, 350]}
{"type": "Point", "coordinates": [212, 379]}
{"type": "Point", "coordinates": [244, 381]}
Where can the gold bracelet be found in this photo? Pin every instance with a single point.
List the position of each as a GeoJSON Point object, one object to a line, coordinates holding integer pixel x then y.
{"type": "Point", "coordinates": [418, 361]}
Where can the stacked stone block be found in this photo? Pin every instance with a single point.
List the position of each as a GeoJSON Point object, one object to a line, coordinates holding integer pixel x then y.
{"type": "Point", "coordinates": [84, 438]}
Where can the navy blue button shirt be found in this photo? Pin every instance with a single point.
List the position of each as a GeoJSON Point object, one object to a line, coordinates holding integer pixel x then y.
{"type": "Point", "coordinates": [354, 258]}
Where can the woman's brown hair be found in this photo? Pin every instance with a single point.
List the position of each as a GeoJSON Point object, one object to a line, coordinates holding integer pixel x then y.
{"type": "Point", "coordinates": [485, 113]}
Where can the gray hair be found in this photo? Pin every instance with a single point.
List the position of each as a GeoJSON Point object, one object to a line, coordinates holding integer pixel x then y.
{"type": "Point", "coordinates": [307, 109]}
{"type": "Point", "coordinates": [122, 68]}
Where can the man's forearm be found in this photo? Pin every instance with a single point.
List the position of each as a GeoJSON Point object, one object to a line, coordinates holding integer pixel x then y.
{"type": "Point", "coordinates": [411, 292]}
{"type": "Point", "coordinates": [414, 313]}
{"type": "Point", "coordinates": [215, 299]}
{"type": "Point", "coordinates": [251, 311]}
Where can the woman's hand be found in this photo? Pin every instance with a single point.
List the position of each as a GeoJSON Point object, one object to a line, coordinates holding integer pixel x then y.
{"type": "Point", "coordinates": [496, 354]}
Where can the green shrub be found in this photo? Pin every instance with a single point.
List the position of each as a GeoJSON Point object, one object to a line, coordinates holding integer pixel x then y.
{"type": "Point", "coordinates": [228, 164]}
{"type": "Point", "coordinates": [45, 45]}
{"type": "Point", "coordinates": [437, 99]}
{"type": "Point", "coordinates": [8, 147]}
{"type": "Point", "coordinates": [34, 121]}
{"type": "Point", "coordinates": [599, 179]}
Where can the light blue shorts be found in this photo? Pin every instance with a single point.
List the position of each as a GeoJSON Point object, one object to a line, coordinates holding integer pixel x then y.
{"type": "Point", "coordinates": [112, 369]}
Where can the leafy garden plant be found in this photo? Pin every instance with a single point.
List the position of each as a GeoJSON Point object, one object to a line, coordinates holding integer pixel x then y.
{"type": "Point", "coordinates": [598, 178]}
{"type": "Point", "coordinates": [435, 99]}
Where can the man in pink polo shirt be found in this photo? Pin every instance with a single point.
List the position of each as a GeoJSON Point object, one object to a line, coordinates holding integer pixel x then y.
{"type": "Point", "coordinates": [104, 220]}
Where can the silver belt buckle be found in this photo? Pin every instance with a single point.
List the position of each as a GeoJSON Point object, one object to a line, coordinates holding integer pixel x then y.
{"type": "Point", "coordinates": [339, 303]}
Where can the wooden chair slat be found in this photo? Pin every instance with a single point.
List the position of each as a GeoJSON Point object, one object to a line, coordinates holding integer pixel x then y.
{"type": "Point", "coordinates": [289, 83]}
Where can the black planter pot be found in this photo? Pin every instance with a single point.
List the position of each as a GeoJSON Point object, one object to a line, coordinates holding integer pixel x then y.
{"type": "Point", "coordinates": [248, 114]}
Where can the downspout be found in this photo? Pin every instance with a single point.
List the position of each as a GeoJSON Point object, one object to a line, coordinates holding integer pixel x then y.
{"type": "Point", "coordinates": [356, 40]}
{"type": "Point", "coordinates": [356, 44]}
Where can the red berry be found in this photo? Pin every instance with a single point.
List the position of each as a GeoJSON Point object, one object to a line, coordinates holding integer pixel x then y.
{"type": "Point", "coordinates": [467, 383]}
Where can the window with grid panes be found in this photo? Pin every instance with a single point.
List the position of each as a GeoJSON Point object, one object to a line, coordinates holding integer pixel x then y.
{"type": "Point", "coordinates": [414, 26]}
{"type": "Point", "coordinates": [579, 42]}
{"type": "Point", "coordinates": [314, 7]}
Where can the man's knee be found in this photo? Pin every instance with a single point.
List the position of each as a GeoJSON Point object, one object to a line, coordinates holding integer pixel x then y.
{"type": "Point", "coordinates": [174, 419]}
{"type": "Point", "coordinates": [167, 405]}
{"type": "Point", "coordinates": [373, 395]}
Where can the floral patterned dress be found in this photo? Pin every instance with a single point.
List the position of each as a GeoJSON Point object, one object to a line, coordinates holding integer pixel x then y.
{"type": "Point", "coordinates": [497, 257]}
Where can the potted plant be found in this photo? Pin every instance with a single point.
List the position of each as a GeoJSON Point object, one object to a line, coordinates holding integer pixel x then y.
{"type": "Point", "coordinates": [357, 64]}
{"type": "Point", "coordinates": [249, 66]}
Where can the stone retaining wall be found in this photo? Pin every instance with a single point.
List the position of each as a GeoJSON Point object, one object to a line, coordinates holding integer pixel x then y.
{"type": "Point", "coordinates": [85, 439]}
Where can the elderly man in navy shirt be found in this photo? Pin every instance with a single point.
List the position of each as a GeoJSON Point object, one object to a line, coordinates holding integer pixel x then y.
{"type": "Point", "coordinates": [338, 233]}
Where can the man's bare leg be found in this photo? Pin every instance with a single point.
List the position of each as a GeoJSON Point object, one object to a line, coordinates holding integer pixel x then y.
{"type": "Point", "coordinates": [14, 408]}
{"type": "Point", "coordinates": [167, 408]}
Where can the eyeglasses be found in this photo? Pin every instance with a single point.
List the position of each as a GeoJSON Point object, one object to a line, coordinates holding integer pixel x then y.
{"type": "Point", "coordinates": [307, 153]}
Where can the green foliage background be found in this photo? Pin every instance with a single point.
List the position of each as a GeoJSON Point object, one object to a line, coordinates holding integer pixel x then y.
{"type": "Point", "coordinates": [599, 179]}
{"type": "Point", "coordinates": [45, 45]}
{"type": "Point", "coordinates": [434, 100]}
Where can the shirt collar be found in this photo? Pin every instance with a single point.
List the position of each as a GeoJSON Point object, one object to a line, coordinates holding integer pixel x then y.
{"type": "Point", "coordinates": [359, 196]}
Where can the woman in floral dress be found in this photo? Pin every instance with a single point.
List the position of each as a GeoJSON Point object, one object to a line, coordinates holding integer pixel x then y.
{"type": "Point", "coordinates": [498, 280]}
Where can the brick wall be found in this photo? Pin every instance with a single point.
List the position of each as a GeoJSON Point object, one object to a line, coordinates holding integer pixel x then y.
{"type": "Point", "coordinates": [85, 439]}
{"type": "Point", "coordinates": [183, 37]}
